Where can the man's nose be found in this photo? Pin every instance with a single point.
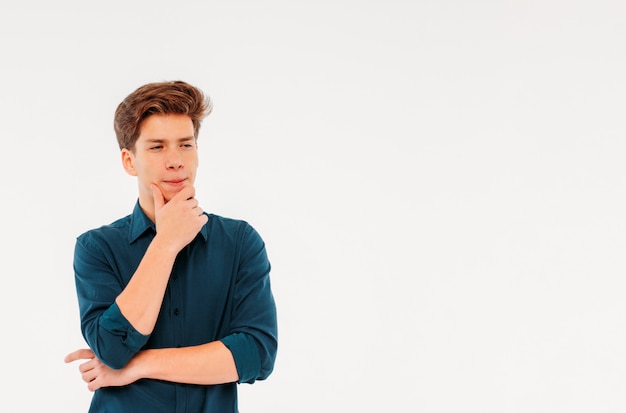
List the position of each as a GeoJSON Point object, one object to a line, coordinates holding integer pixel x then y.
{"type": "Point", "coordinates": [173, 160]}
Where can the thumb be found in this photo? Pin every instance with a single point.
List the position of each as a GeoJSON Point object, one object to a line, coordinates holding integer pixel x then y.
{"type": "Point", "coordinates": [83, 353]}
{"type": "Point", "coordinates": [157, 195]}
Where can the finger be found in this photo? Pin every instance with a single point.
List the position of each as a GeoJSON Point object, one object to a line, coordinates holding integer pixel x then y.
{"type": "Point", "coordinates": [201, 214]}
{"type": "Point", "coordinates": [81, 354]}
{"type": "Point", "coordinates": [191, 191]}
{"type": "Point", "coordinates": [86, 366]}
{"type": "Point", "coordinates": [157, 195]}
{"type": "Point", "coordinates": [89, 376]}
{"type": "Point", "coordinates": [185, 194]}
{"type": "Point", "coordinates": [93, 385]}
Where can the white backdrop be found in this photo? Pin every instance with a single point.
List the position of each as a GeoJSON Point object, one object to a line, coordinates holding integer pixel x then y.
{"type": "Point", "coordinates": [440, 185]}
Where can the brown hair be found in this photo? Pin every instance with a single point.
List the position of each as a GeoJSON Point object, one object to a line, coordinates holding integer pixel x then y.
{"type": "Point", "coordinates": [175, 97]}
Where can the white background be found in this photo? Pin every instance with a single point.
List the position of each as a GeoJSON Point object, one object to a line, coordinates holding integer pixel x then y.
{"type": "Point", "coordinates": [440, 185]}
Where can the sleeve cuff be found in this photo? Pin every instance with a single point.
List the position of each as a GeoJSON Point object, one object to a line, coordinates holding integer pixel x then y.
{"type": "Point", "coordinates": [246, 355]}
{"type": "Point", "coordinates": [114, 322]}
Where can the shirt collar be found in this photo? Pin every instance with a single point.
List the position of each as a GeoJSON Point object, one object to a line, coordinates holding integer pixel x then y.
{"type": "Point", "coordinates": [140, 223]}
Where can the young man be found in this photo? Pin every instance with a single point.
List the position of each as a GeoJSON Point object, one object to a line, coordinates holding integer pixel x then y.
{"type": "Point", "coordinates": [175, 304]}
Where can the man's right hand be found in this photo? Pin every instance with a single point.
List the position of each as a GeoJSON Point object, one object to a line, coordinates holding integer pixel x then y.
{"type": "Point", "coordinates": [179, 220]}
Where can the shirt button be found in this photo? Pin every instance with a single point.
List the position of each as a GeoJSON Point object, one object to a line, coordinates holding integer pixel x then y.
{"type": "Point", "coordinates": [176, 311]}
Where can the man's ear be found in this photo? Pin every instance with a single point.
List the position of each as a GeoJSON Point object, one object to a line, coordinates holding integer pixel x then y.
{"type": "Point", "coordinates": [128, 162]}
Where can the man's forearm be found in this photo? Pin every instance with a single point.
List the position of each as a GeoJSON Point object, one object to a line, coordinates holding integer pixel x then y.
{"type": "Point", "coordinates": [141, 300]}
{"type": "Point", "coordinates": [205, 364]}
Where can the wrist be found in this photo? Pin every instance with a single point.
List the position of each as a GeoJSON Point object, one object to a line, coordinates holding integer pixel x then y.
{"type": "Point", "coordinates": [164, 246]}
{"type": "Point", "coordinates": [138, 367]}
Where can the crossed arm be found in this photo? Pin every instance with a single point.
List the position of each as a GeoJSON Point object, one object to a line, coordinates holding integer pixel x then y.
{"type": "Point", "coordinates": [210, 363]}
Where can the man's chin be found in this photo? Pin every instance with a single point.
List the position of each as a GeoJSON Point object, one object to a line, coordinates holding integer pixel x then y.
{"type": "Point", "coordinates": [168, 194]}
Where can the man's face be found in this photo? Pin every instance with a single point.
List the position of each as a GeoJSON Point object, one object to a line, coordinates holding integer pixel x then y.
{"type": "Point", "coordinates": [166, 154]}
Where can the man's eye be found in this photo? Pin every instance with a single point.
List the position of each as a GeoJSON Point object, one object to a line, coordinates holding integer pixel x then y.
{"type": "Point", "coordinates": [156, 147]}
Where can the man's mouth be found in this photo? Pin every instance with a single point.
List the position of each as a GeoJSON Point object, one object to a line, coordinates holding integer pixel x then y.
{"type": "Point", "coordinates": [175, 182]}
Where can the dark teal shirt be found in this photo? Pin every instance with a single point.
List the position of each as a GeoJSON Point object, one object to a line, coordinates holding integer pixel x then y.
{"type": "Point", "coordinates": [219, 289]}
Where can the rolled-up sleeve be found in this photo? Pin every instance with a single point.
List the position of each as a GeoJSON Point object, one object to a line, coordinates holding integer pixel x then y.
{"type": "Point", "coordinates": [107, 332]}
{"type": "Point", "coordinates": [253, 338]}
